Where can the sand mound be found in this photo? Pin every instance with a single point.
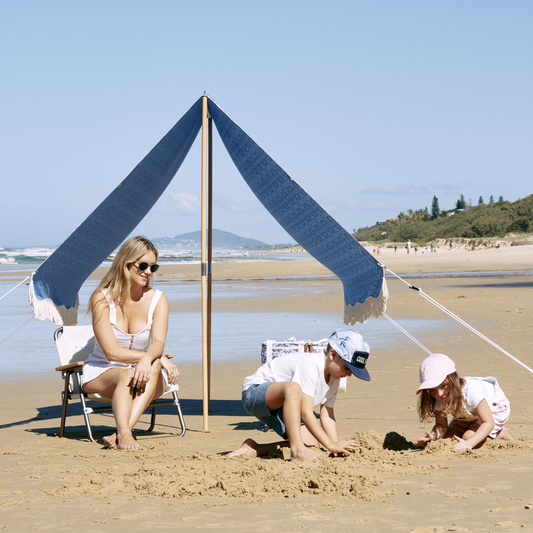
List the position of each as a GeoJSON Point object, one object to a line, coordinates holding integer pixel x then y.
{"type": "Point", "coordinates": [159, 474]}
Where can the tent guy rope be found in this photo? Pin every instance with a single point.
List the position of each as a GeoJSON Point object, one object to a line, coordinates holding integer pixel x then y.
{"type": "Point", "coordinates": [452, 315]}
{"type": "Point", "coordinates": [24, 280]}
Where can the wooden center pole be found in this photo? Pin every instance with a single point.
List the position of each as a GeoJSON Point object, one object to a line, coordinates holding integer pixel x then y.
{"type": "Point", "coordinates": [209, 252]}
{"type": "Point", "coordinates": [205, 362]}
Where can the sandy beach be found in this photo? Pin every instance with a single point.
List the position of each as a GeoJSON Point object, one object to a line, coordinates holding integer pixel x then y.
{"type": "Point", "coordinates": [70, 484]}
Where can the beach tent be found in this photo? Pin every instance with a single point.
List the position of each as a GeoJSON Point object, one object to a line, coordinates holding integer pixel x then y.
{"type": "Point", "coordinates": [54, 286]}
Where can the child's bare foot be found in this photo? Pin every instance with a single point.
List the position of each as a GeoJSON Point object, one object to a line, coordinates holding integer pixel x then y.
{"type": "Point", "coordinates": [307, 454]}
{"type": "Point", "coordinates": [127, 442]}
{"type": "Point", "coordinates": [504, 435]}
{"type": "Point", "coordinates": [248, 447]}
{"type": "Point", "coordinates": [111, 441]}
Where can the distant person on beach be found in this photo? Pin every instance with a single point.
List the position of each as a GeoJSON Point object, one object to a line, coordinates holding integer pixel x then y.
{"type": "Point", "coordinates": [478, 405]}
{"type": "Point", "coordinates": [130, 322]}
{"type": "Point", "coordinates": [408, 245]}
{"type": "Point", "coordinates": [283, 392]}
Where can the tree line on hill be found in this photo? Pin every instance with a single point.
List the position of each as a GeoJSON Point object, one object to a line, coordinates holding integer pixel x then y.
{"type": "Point", "coordinates": [495, 219]}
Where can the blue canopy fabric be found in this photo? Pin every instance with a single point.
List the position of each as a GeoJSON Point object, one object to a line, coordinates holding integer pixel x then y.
{"type": "Point", "coordinates": [365, 290]}
{"type": "Point", "coordinates": [54, 287]}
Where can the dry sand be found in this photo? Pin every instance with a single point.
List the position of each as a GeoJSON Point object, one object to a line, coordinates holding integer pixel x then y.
{"type": "Point", "coordinates": [73, 485]}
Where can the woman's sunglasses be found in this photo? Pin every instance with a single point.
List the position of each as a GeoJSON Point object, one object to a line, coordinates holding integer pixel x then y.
{"type": "Point", "coordinates": [143, 266]}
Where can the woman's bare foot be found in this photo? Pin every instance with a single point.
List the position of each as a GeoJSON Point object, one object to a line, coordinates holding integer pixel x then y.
{"type": "Point", "coordinates": [111, 441]}
{"type": "Point", "coordinates": [126, 441]}
{"type": "Point", "coordinates": [248, 447]}
{"type": "Point", "coordinates": [504, 435]}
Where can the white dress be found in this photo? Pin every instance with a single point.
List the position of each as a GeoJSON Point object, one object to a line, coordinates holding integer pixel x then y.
{"type": "Point", "coordinates": [97, 363]}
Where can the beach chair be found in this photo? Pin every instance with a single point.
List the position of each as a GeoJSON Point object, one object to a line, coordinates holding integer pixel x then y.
{"type": "Point", "coordinates": [74, 344]}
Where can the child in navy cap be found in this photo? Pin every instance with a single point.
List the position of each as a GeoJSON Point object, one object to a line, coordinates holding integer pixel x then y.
{"type": "Point", "coordinates": [283, 393]}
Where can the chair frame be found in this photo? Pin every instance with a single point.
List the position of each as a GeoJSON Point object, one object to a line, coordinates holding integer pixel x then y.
{"type": "Point", "coordinates": [75, 370]}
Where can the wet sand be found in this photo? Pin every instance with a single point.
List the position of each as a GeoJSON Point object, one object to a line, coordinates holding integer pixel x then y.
{"type": "Point", "coordinates": [73, 485]}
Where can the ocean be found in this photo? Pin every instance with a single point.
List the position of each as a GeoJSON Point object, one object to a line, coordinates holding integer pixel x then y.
{"type": "Point", "coordinates": [27, 344]}
{"type": "Point", "coordinates": [29, 258]}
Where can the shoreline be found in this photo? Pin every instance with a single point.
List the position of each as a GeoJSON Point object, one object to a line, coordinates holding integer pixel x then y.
{"type": "Point", "coordinates": [516, 258]}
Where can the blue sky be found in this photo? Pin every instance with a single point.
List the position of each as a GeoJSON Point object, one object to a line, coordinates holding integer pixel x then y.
{"type": "Point", "coordinates": [372, 107]}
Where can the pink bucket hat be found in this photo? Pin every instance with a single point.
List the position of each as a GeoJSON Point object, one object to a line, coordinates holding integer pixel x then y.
{"type": "Point", "coordinates": [434, 369]}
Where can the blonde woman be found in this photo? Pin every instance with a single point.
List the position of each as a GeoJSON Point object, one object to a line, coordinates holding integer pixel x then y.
{"type": "Point", "coordinates": [130, 322]}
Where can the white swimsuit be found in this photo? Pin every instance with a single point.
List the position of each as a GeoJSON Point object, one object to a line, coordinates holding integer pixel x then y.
{"type": "Point", "coordinates": [97, 363]}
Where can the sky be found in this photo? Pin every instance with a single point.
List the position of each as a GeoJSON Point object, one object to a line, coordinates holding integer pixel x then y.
{"type": "Point", "coordinates": [372, 107]}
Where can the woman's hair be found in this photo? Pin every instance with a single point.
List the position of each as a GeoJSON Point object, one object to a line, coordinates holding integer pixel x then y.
{"type": "Point", "coordinates": [118, 280]}
{"type": "Point", "coordinates": [426, 402]}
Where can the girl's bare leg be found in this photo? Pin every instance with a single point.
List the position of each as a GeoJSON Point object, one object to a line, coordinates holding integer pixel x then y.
{"type": "Point", "coordinates": [457, 428]}
{"type": "Point", "coordinates": [504, 435]}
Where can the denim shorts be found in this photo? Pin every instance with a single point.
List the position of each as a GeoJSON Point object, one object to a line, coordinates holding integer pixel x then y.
{"type": "Point", "coordinates": [254, 402]}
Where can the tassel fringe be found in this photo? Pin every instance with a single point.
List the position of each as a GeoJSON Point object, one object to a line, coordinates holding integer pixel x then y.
{"type": "Point", "coordinates": [372, 307]}
{"type": "Point", "coordinates": [47, 310]}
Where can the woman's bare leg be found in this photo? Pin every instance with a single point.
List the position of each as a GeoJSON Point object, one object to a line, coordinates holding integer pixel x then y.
{"type": "Point", "coordinates": [115, 384]}
{"type": "Point", "coordinates": [128, 404]}
{"type": "Point", "coordinates": [152, 390]}
{"type": "Point", "coordinates": [111, 440]}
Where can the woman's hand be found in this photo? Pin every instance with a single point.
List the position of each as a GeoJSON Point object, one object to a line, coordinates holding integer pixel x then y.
{"type": "Point", "coordinates": [172, 370]}
{"type": "Point", "coordinates": [462, 444]}
{"type": "Point", "coordinates": [142, 372]}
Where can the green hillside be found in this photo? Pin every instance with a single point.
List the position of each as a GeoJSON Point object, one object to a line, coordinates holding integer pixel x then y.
{"type": "Point", "coordinates": [496, 220]}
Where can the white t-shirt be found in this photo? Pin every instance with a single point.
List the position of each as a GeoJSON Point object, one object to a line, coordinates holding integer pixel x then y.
{"type": "Point", "coordinates": [474, 392]}
{"type": "Point", "coordinates": [305, 369]}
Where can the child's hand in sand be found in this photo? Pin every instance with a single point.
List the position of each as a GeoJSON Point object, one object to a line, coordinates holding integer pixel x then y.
{"type": "Point", "coordinates": [424, 440]}
{"type": "Point", "coordinates": [343, 446]}
{"type": "Point", "coordinates": [462, 444]}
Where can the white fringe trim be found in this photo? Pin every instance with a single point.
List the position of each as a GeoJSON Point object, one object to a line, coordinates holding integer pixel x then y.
{"type": "Point", "coordinates": [47, 310]}
{"type": "Point", "coordinates": [372, 307]}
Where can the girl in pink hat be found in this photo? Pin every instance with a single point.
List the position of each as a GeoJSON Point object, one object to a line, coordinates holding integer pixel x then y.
{"type": "Point", "coordinates": [478, 405]}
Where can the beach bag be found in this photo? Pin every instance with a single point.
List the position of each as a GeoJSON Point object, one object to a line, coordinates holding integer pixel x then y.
{"type": "Point", "coordinates": [272, 349]}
